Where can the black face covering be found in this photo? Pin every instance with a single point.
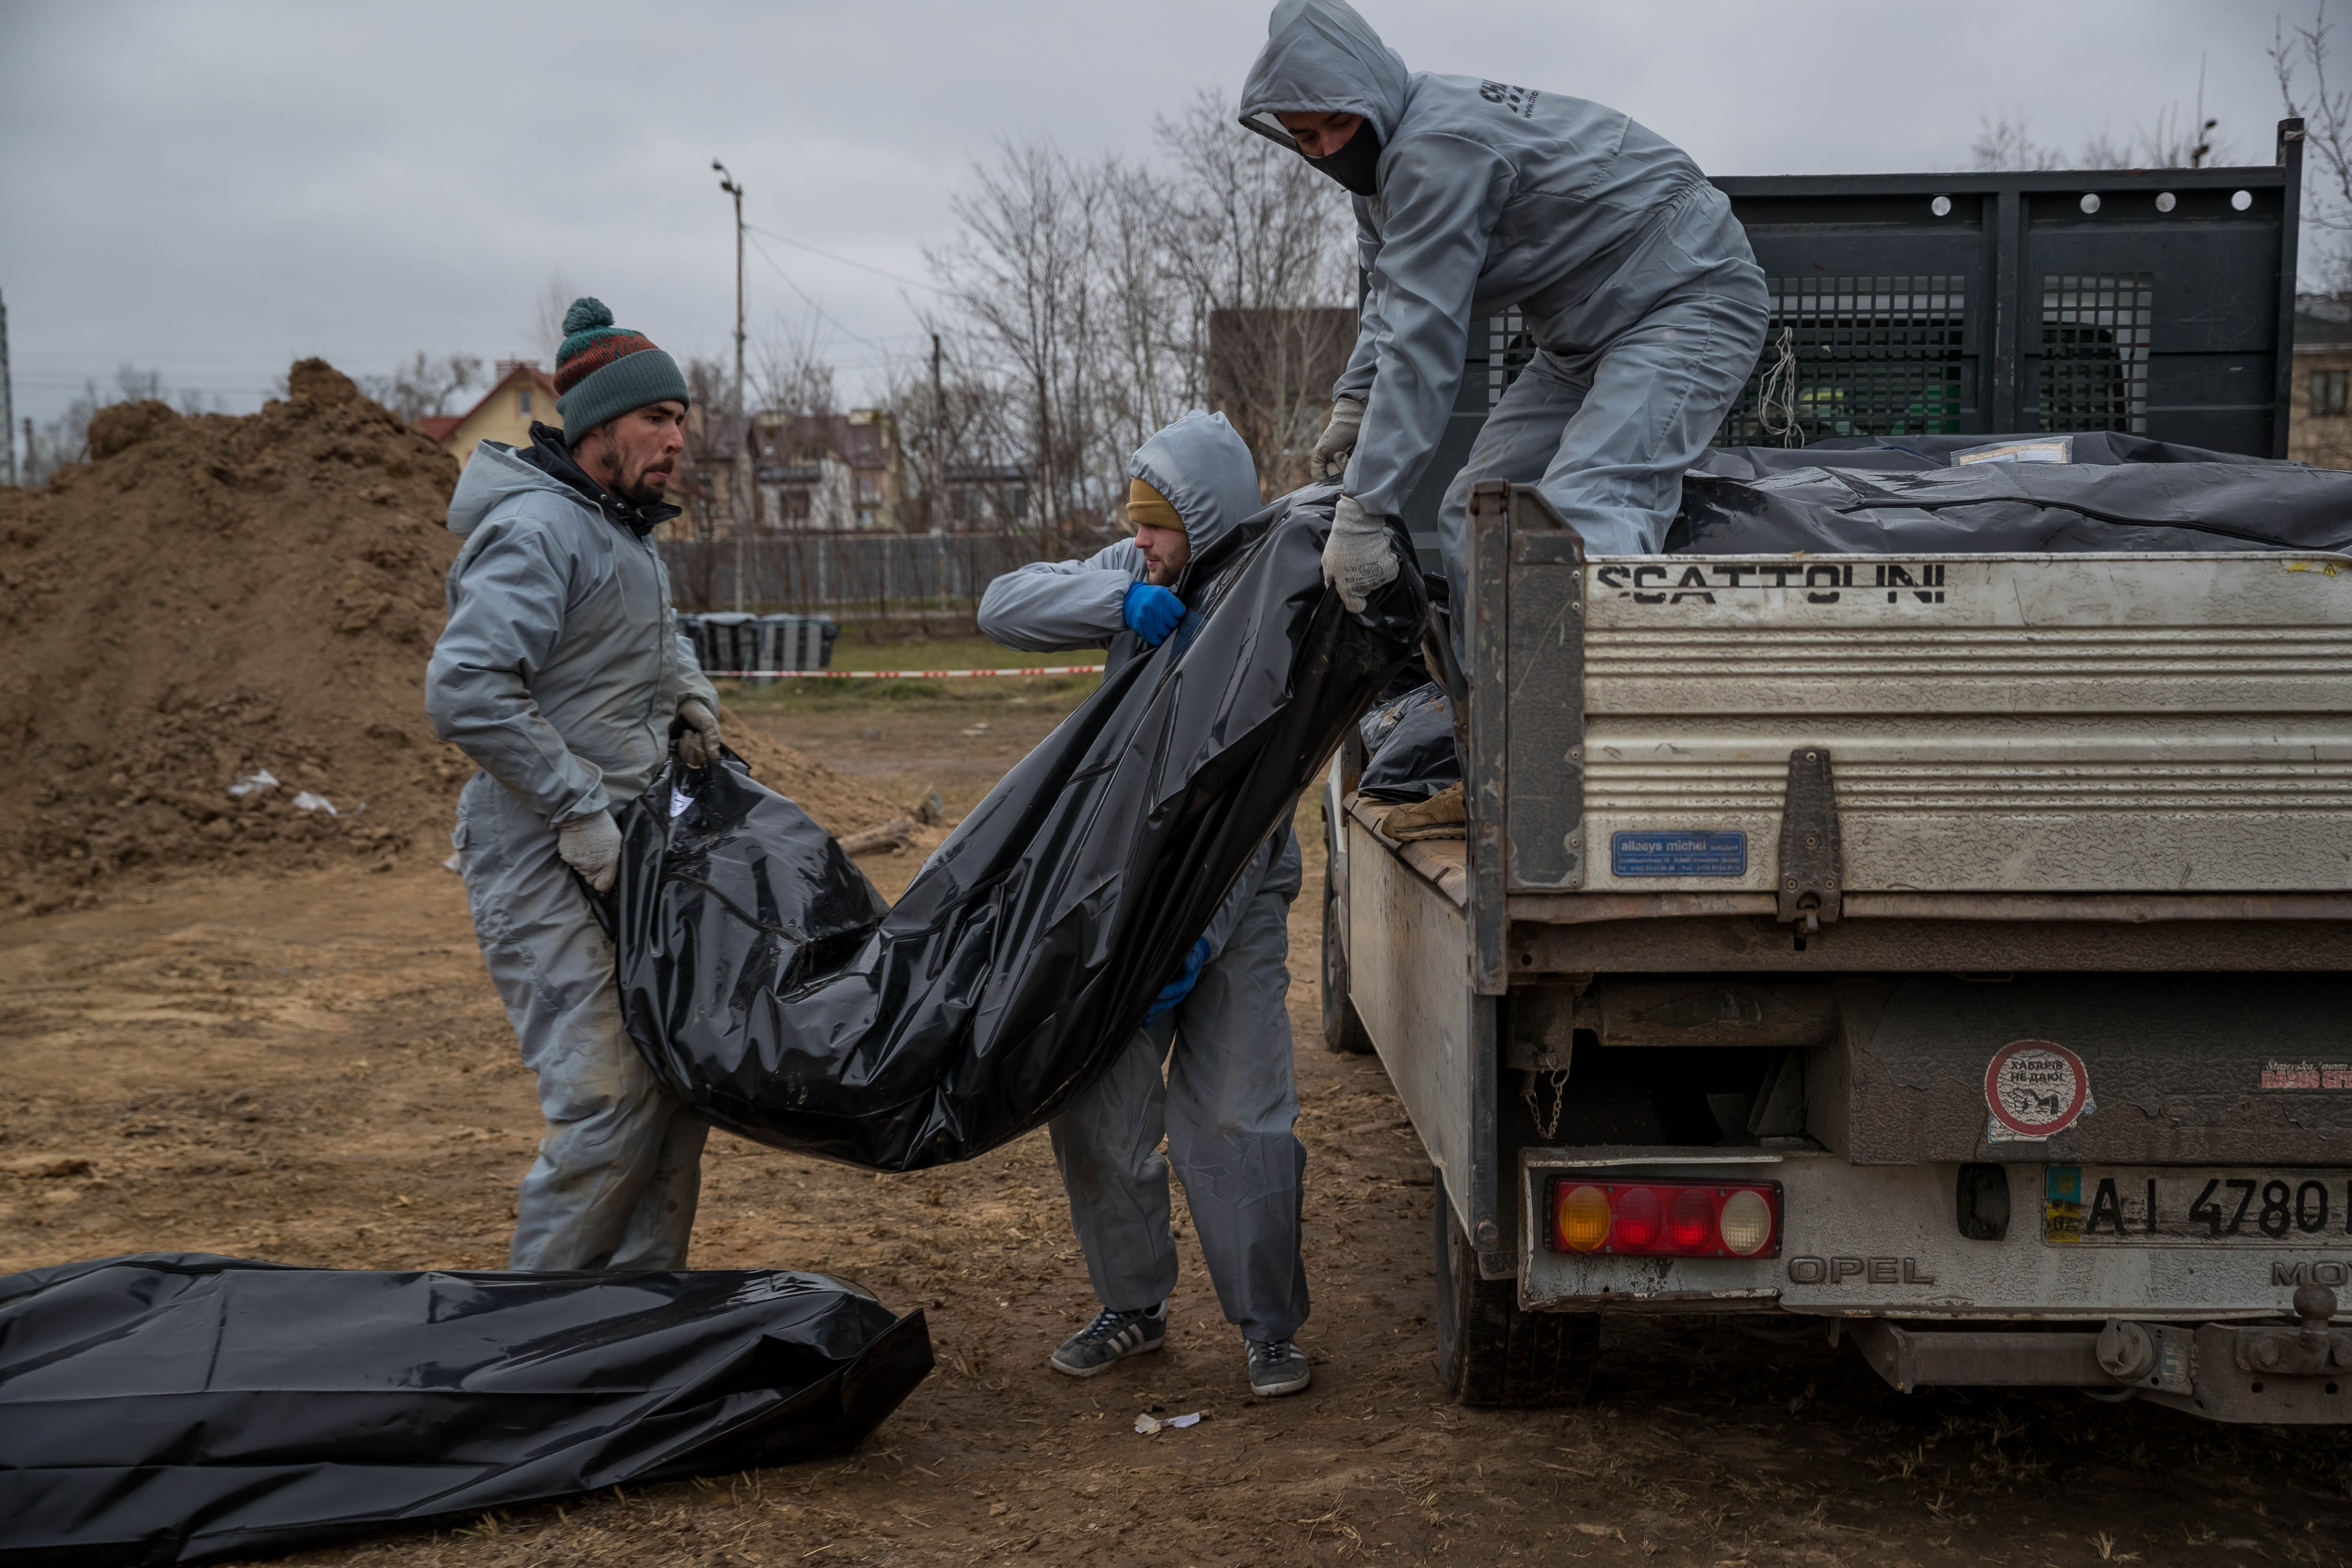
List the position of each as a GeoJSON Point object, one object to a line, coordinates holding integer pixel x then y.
{"type": "Point", "coordinates": [1355, 164]}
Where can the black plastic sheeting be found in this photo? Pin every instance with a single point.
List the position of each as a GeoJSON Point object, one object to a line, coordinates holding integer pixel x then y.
{"type": "Point", "coordinates": [1409, 746]}
{"type": "Point", "coordinates": [776, 996]}
{"type": "Point", "coordinates": [1902, 496]}
{"type": "Point", "coordinates": [180, 1407]}
{"type": "Point", "coordinates": [1914, 454]}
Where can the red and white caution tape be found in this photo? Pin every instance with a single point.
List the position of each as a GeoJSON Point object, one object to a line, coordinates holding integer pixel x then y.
{"type": "Point", "coordinates": [898, 674]}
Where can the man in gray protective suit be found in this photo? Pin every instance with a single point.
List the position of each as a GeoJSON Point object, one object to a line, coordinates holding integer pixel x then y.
{"type": "Point", "coordinates": [562, 673]}
{"type": "Point", "coordinates": [1645, 305]}
{"type": "Point", "coordinates": [1227, 1105]}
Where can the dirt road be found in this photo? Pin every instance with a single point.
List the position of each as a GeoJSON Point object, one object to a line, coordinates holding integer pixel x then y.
{"type": "Point", "coordinates": [314, 1071]}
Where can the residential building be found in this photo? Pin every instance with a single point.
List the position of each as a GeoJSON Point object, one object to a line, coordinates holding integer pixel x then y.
{"type": "Point", "coordinates": [705, 475]}
{"type": "Point", "coordinates": [986, 498]}
{"type": "Point", "coordinates": [2320, 430]}
{"type": "Point", "coordinates": [826, 473]}
{"type": "Point", "coordinates": [829, 472]}
{"type": "Point", "coordinates": [519, 394]}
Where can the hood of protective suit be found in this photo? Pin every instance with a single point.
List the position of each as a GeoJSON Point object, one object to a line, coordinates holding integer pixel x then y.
{"type": "Point", "coordinates": [1321, 57]}
{"type": "Point", "coordinates": [496, 471]}
{"type": "Point", "coordinates": [1204, 469]}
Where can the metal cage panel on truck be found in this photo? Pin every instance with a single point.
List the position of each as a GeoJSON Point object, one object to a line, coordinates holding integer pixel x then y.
{"type": "Point", "coordinates": [2157, 302]}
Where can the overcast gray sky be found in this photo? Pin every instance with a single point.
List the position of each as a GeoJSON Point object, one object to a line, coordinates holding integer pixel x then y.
{"type": "Point", "coordinates": [214, 190]}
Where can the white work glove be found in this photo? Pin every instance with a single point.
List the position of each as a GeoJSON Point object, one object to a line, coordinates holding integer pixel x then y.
{"type": "Point", "coordinates": [697, 743]}
{"type": "Point", "coordinates": [1329, 457]}
{"type": "Point", "coordinates": [590, 846]}
{"type": "Point", "coordinates": [1358, 559]}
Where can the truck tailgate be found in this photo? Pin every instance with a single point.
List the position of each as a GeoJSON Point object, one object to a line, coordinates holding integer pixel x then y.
{"type": "Point", "coordinates": [2028, 723]}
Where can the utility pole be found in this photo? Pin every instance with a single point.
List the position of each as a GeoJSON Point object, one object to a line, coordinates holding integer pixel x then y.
{"type": "Point", "coordinates": [740, 487]}
{"type": "Point", "coordinates": [8, 399]}
{"type": "Point", "coordinates": [938, 440]}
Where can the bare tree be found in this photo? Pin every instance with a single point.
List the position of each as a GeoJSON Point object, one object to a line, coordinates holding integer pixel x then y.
{"type": "Point", "coordinates": [424, 385]}
{"type": "Point", "coordinates": [1022, 276]}
{"type": "Point", "coordinates": [2005, 143]}
{"type": "Point", "coordinates": [131, 383]}
{"type": "Point", "coordinates": [2182, 142]}
{"type": "Point", "coordinates": [2326, 114]}
{"type": "Point", "coordinates": [2174, 140]}
{"type": "Point", "coordinates": [790, 374]}
{"type": "Point", "coordinates": [958, 427]}
{"type": "Point", "coordinates": [1103, 298]}
{"type": "Point", "coordinates": [693, 570]}
{"type": "Point", "coordinates": [1153, 369]}
{"type": "Point", "coordinates": [1258, 243]}
{"type": "Point", "coordinates": [555, 297]}
{"type": "Point", "coordinates": [65, 438]}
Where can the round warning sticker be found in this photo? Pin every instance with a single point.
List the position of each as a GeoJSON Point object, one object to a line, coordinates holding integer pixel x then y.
{"type": "Point", "coordinates": [2035, 1090]}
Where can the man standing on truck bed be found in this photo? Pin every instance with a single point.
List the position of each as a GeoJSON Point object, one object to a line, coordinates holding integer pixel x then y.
{"type": "Point", "coordinates": [560, 673]}
{"type": "Point", "coordinates": [1227, 1106]}
{"type": "Point", "coordinates": [1646, 307]}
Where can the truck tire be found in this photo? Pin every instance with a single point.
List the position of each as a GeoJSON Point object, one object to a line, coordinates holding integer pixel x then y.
{"type": "Point", "coordinates": [1343, 1031]}
{"type": "Point", "coordinates": [1492, 1352]}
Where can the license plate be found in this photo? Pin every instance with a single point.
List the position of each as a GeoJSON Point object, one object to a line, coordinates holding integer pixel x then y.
{"type": "Point", "coordinates": [2126, 1205]}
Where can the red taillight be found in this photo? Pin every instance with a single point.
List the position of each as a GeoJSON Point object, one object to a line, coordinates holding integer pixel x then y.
{"type": "Point", "coordinates": [1638, 1213]}
{"type": "Point", "coordinates": [1685, 1219]}
{"type": "Point", "coordinates": [1690, 1221]}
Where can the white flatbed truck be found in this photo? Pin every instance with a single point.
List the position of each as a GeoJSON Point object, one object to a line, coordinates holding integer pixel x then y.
{"type": "Point", "coordinates": [1946, 948]}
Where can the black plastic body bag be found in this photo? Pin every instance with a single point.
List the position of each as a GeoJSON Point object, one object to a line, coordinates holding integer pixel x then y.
{"type": "Point", "coordinates": [1410, 747]}
{"type": "Point", "coordinates": [776, 996]}
{"type": "Point", "coordinates": [180, 1407]}
{"type": "Point", "coordinates": [1902, 495]}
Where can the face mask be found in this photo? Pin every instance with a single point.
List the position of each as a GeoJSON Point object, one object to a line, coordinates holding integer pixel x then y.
{"type": "Point", "coordinates": [1355, 164]}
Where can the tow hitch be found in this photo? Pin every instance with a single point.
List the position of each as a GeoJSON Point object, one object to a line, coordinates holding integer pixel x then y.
{"type": "Point", "coordinates": [2224, 1372]}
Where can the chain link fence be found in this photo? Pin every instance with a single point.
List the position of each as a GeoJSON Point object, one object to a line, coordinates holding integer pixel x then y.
{"type": "Point", "coordinates": [873, 572]}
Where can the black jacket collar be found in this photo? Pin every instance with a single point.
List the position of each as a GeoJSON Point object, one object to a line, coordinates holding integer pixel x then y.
{"type": "Point", "coordinates": [549, 455]}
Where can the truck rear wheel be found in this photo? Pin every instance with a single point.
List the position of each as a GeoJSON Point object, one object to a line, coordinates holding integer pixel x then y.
{"type": "Point", "coordinates": [1492, 1352]}
{"type": "Point", "coordinates": [1343, 1031]}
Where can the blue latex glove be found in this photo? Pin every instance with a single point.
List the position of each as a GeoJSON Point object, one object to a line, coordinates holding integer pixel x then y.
{"type": "Point", "coordinates": [1176, 990]}
{"type": "Point", "coordinates": [1153, 611]}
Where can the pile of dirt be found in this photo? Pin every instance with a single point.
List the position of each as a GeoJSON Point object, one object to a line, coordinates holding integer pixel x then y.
{"type": "Point", "coordinates": [841, 804]}
{"type": "Point", "coordinates": [210, 598]}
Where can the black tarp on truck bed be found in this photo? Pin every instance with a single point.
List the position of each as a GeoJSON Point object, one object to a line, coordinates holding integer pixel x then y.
{"type": "Point", "coordinates": [1911, 495]}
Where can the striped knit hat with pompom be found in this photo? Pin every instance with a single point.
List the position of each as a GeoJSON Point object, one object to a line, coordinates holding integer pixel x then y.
{"type": "Point", "coordinates": [602, 371]}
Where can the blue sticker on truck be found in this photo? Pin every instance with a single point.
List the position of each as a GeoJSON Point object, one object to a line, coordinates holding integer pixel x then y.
{"type": "Point", "coordinates": [1678, 854]}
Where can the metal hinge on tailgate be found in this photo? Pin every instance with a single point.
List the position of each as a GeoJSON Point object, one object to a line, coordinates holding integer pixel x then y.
{"type": "Point", "coordinates": [1523, 725]}
{"type": "Point", "coordinates": [1812, 873]}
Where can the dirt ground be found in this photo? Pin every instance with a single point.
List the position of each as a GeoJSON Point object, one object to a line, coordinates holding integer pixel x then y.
{"type": "Point", "coordinates": [311, 1067]}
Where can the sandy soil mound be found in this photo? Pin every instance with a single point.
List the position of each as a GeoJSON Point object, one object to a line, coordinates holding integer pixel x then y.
{"type": "Point", "coordinates": [212, 597]}
{"type": "Point", "coordinates": [843, 804]}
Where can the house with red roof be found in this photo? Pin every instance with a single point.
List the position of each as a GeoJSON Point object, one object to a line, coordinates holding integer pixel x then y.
{"type": "Point", "coordinates": [519, 394]}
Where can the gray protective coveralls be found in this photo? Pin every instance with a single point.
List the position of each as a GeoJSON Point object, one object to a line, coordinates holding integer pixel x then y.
{"type": "Point", "coordinates": [559, 673]}
{"type": "Point", "coordinates": [1227, 1105]}
{"type": "Point", "coordinates": [1645, 305]}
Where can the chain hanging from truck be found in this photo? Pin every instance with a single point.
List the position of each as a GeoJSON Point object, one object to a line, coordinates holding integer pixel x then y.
{"type": "Point", "coordinates": [1545, 1126]}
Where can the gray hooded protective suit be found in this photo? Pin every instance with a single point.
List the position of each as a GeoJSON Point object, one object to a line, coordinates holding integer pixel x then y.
{"type": "Point", "coordinates": [558, 673]}
{"type": "Point", "coordinates": [1227, 1106]}
{"type": "Point", "coordinates": [1637, 284]}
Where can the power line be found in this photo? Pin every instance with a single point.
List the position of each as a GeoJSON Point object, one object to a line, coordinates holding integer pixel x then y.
{"type": "Point", "coordinates": [107, 385]}
{"type": "Point", "coordinates": [849, 261]}
{"type": "Point", "coordinates": [822, 314]}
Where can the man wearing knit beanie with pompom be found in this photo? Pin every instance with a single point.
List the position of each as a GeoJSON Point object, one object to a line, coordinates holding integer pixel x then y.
{"type": "Point", "coordinates": [562, 673]}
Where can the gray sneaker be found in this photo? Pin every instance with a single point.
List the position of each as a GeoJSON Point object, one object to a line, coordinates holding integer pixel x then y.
{"type": "Point", "coordinates": [1276, 1366]}
{"type": "Point", "coordinates": [1112, 1336]}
